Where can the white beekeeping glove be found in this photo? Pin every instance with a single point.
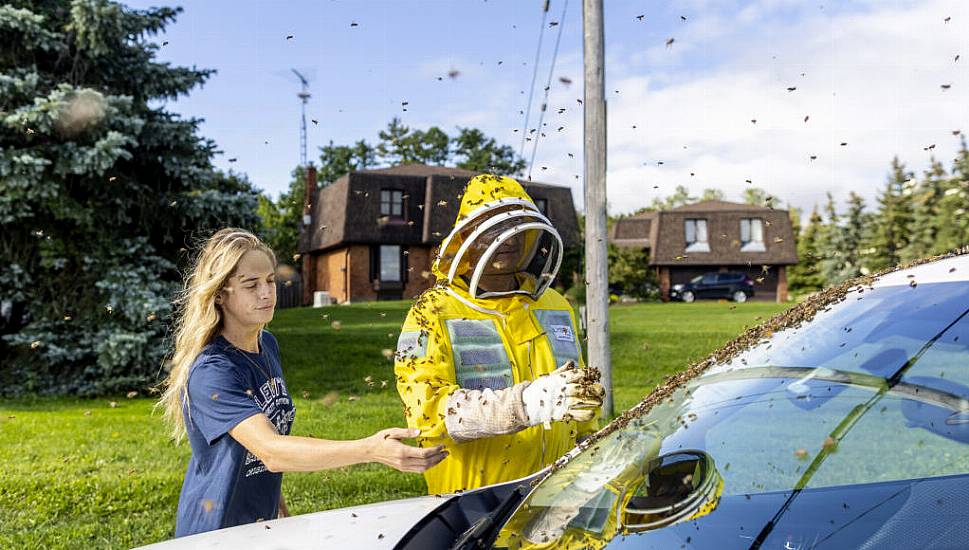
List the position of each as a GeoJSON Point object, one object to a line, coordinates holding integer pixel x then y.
{"type": "Point", "coordinates": [567, 393]}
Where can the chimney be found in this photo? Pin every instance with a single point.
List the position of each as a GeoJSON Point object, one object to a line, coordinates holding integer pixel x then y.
{"type": "Point", "coordinates": [310, 188]}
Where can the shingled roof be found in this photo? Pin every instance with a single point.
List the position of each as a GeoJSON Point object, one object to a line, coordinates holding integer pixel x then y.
{"type": "Point", "coordinates": [634, 231]}
{"type": "Point", "coordinates": [422, 170]}
{"type": "Point", "coordinates": [664, 233]}
{"type": "Point", "coordinates": [348, 210]}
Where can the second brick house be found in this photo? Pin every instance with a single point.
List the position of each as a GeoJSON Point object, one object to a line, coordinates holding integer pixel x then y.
{"type": "Point", "coordinates": [371, 234]}
{"type": "Point", "coordinates": [694, 239]}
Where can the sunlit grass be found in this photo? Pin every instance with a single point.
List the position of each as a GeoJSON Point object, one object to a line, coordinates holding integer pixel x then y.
{"type": "Point", "coordinates": [80, 473]}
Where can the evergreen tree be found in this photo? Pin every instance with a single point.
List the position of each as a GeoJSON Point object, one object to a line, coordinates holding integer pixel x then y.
{"type": "Point", "coordinates": [892, 223]}
{"type": "Point", "coordinates": [806, 276]}
{"type": "Point", "coordinates": [853, 232]}
{"type": "Point", "coordinates": [953, 209]}
{"type": "Point", "coordinates": [926, 198]}
{"type": "Point", "coordinates": [829, 243]}
{"type": "Point", "coordinates": [101, 191]}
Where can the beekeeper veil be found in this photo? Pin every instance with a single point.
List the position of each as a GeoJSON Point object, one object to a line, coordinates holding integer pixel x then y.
{"type": "Point", "coordinates": [501, 244]}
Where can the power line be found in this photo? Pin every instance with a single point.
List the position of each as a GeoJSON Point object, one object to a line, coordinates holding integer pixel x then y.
{"type": "Point", "coordinates": [531, 89]}
{"type": "Point", "coordinates": [548, 86]}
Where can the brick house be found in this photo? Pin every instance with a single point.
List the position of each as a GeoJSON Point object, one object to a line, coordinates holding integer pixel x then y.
{"type": "Point", "coordinates": [372, 234]}
{"type": "Point", "coordinates": [694, 239]}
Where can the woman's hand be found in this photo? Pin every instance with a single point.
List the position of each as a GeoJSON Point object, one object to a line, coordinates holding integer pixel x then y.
{"type": "Point", "coordinates": [385, 447]}
{"type": "Point", "coordinates": [289, 453]}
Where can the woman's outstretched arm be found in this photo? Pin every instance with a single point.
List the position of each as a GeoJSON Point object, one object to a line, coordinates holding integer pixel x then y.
{"type": "Point", "coordinates": [287, 453]}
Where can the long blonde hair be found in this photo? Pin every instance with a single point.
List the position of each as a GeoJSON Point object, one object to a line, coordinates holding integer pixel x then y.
{"type": "Point", "coordinates": [198, 319]}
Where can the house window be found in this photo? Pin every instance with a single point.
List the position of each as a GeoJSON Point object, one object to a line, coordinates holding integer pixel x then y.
{"type": "Point", "coordinates": [389, 258]}
{"type": "Point", "coordinates": [752, 235]}
{"type": "Point", "coordinates": [696, 236]}
{"type": "Point", "coordinates": [542, 205]}
{"type": "Point", "coordinates": [392, 203]}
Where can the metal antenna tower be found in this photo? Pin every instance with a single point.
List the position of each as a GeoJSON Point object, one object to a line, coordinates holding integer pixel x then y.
{"type": "Point", "coordinates": [304, 96]}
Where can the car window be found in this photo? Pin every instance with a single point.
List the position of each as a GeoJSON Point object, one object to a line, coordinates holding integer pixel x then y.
{"type": "Point", "coordinates": [709, 278]}
{"type": "Point", "coordinates": [728, 277]}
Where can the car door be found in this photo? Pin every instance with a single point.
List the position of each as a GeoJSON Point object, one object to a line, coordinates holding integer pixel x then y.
{"type": "Point", "coordinates": [725, 285]}
{"type": "Point", "coordinates": [707, 286]}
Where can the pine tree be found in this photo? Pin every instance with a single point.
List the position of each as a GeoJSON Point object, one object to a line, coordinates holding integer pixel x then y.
{"type": "Point", "coordinates": [806, 276]}
{"type": "Point", "coordinates": [953, 210]}
{"type": "Point", "coordinates": [829, 244]}
{"type": "Point", "coordinates": [926, 198]}
{"type": "Point", "coordinates": [853, 234]}
{"type": "Point", "coordinates": [892, 223]}
{"type": "Point", "coordinates": [101, 193]}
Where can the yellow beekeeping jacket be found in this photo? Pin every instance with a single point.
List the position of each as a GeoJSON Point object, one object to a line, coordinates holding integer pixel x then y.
{"type": "Point", "coordinates": [451, 341]}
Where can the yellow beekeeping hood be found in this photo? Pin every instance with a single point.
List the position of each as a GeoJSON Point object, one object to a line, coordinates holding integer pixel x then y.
{"type": "Point", "coordinates": [499, 228]}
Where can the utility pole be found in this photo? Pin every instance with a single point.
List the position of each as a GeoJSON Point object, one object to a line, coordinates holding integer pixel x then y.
{"type": "Point", "coordinates": [596, 254]}
{"type": "Point", "coordinates": [304, 96]}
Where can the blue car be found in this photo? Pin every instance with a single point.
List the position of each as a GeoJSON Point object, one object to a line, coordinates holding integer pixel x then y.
{"type": "Point", "coordinates": [728, 285]}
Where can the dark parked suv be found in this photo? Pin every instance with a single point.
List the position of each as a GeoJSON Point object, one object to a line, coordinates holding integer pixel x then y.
{"type": "Point", "coordinates": [731, 285]}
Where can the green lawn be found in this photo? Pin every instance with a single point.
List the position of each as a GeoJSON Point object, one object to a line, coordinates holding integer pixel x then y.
{"type": "Point", "coordinates": [83, 473]}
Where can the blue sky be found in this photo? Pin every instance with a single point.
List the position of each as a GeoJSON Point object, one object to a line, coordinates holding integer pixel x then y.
{"type": "Point", "coordinates": [867, 73]}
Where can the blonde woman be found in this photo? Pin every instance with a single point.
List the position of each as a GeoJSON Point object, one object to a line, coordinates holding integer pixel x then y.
{"type": "Point", "coordinates": [227, 393]}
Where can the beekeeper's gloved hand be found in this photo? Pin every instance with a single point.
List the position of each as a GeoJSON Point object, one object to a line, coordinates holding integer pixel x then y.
{"type": "Point", "coordinates": [567, 393]}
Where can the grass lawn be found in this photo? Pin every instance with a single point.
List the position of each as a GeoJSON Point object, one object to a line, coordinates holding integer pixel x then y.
{"type": "Point", "coordinates": [83, 473]}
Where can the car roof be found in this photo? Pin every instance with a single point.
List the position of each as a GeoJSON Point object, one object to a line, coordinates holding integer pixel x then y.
{"type": "Point", "coordinates": [945, 270]}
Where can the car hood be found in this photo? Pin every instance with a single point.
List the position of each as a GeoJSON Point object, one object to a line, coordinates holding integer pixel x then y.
{"type": "Point", "coordinates": [371, 526]}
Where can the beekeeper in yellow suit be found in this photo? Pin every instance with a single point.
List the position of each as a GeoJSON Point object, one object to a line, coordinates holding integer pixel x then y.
{"type": "Point", "coordinates": [488, 362]}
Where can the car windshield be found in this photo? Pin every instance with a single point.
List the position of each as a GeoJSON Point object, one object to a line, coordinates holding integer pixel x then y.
{"type": "Point", "coordinates": [697, 279]}
{"type": "Point", "coordinates": [873, 389]}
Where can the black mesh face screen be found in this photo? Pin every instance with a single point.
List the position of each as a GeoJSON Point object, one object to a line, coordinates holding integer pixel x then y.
{"type": "Point", "coordinates": [545, 247]}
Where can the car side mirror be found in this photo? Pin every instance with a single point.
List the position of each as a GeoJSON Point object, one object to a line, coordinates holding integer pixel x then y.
{"type": "Point", "coordinates": [676, 487]}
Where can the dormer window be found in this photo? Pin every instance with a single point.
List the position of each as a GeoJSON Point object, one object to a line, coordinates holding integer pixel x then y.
{"type": "Point", "coordinates": [392, 203]}
{"type": "Point", "coordinates": [696, 235]}
{"type": "Point", "coordinates": [752, 235]}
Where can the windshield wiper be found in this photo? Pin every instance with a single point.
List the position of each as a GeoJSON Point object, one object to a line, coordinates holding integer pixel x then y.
{"type": "Point", "coordinates": [484, 531]}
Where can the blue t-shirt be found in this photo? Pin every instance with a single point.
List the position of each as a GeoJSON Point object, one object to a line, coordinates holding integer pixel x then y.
{"type": "Point", "coordinates": [225, 484]}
